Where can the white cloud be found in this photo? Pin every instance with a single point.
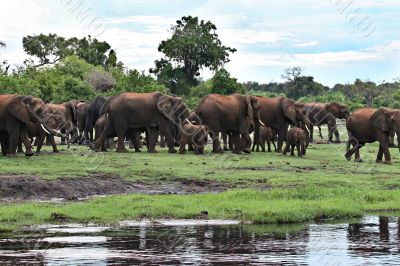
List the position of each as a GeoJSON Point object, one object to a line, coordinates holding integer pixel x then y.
{"type": "Point", "coordinates": [305, 44]}
{"type": "Point", "coordinates": [266, 33]}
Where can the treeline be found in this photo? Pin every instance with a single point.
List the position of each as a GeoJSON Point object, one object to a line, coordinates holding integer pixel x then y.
{"type": "Point", "coordinates": [66, 69]}
{"type": "Point", "coordinates": [357, 94]}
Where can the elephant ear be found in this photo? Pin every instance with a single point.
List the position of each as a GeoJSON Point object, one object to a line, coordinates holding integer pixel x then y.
{"type": "Point", "coordinates": [165, 105]}
{"type": "Point", "coordinates": [250, 114]}
{"type": "Point", "coordinates": [72, 108]}
{"type": "Point", "coordinates": [381, 119]}
{"type": "Point", "coordinates": [20, 108]}
{"type": "Point", "coordinates": [289, 110]}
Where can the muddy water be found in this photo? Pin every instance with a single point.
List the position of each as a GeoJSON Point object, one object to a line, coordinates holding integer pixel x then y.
{"type": "Point", "coordinates": [370, 241]}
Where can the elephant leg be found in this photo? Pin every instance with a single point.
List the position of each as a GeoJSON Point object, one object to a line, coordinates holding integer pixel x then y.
{"type": "Point", "coordinates": [254, 146]}
{"type": "Point", "coordinates": [332, 128]}
{"type": "Point", "coordinates": [19, 149]}
{"type": "Point", "coordinates": [135, 140]}
{"type": "Point", "coordinates": [52, 143]}
{"type": "Point", "coordinates": [263, 145]}
{"type": "Point", "coordinates": [299, 154]}
{"type": "Point", "coordinates": [14, 139]}
{"type": "Point", "coordinates": [40, 140]}
{"type": "Point", "coordinates": [385, 151]}
{"type": "Point", "coordinates": [162, 141]}
{"type": "Point", "coordinates": [292, 150]}
{"type": "Point", "coordinates": [281, 139]}
{"type": "Point", "coordinates": [268, 144]}
{"type": "Point", "coordinates": [303, 149]}
{"type": "Point", "coordinates": [99, 144]}
{"type": "Point", "coordinates": [4, 146]}
{"type": "Point", "coordinates": [230, 142]}
{"type": "Point", "coordinates": [357, 154]}
{"type": "Point", "coordinates": [214, 135]}
{"type": "Point", "coordinates": [379, 156]}
{"type": "Point", "coordinates": [165, 129]}
{"type": "Point", "coordinates": [225, 140]}
{"type": "Point", "coordinates": [320, 132]}
{"type": "Point", "coordinates": [286, 149]}
{"type": "Point", "coordinates": [182, 149]}
{"type": "Point", "coordinates": [151, 136]}
{"type": "Point", "coordinates": [27, 142]}
{"type": "Point", "coordinates": [237, 149]}
{"type": "Point", "coordinates": [312, 133]}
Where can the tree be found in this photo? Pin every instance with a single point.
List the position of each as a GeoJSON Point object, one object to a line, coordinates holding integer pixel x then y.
{"type": "Point", "coordinates": [223, 83]}
{"type": "Point", "coordinates": [304, 86]}
{"type": "Point", "coordinates": [290, 74]}
{"type": "Point", "coordinates": [49, 49]}
{"type": "Point", "coordinates": [368, 90]}
{"type": "Point", "coordinates": [193, 45]}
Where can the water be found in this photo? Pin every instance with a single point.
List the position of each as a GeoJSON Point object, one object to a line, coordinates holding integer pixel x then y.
{"type": "Point", "coordinates": [370, 241]}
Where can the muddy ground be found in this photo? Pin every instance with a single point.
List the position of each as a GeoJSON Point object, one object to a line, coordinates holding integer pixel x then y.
{"type": "Point", "coordinates": [21, 188]}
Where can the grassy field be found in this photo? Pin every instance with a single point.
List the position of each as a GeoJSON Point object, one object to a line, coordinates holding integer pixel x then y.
{"type": "Point", "coordinates": [274, 188]}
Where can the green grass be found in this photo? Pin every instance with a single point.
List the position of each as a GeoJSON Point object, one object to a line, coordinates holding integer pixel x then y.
{"type": "Point", "coordinates": [323, 185]}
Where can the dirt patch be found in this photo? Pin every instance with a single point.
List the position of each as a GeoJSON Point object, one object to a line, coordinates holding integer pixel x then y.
{"type": "Point", "coordinates": [18, 188]}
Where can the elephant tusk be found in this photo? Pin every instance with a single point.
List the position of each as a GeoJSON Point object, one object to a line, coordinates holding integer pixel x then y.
{"type": "Point", "coordinates": [187, 120]}
{"type": "Point", "coordinates": [45, 130]}
{"type": "Point", "coordinates": [261, 122]}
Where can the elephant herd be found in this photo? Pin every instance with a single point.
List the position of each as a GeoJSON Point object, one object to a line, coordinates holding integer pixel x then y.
{"type": "Point", "coordinates": [28, 121]}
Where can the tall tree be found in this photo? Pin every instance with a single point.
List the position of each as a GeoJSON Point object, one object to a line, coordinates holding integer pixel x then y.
{"type": "Point", "coordinates": [194, 45]}
{"type": "Point", "coordinates": [51, 48]}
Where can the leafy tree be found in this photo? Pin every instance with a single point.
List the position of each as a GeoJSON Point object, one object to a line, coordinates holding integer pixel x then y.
{"type": "Point", "coordinates": [223, 83]}
{"type": "Point", "coordinates": [193, 45]}
{"type": "Point", "coordinates": [172, 77]}
{"type": "Point", "coordinates": [303, 86]}
{"type": "Point", "coordinates": [51, 48]}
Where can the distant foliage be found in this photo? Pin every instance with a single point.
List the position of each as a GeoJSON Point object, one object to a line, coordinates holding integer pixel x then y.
{"type": "Point", "coordinates": [223, 83]}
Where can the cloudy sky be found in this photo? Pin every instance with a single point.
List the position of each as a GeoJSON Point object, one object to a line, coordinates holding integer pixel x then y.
{"type": "Point", "coordinates": [334, 40]}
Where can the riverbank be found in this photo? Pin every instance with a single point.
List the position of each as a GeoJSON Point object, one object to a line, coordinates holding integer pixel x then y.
{"type": "Point", "coordinates": [258, 188]}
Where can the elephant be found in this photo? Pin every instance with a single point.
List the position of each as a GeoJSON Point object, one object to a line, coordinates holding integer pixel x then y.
{"type": "Point", "coordinates": [154, 111]}
{"type": "Point", "coordinates": [92, 114]}
{"type": "Point", "coordinates": [367, 125]}
{"type": "Point", "coordinates": [81, 111]}
{"type": "Point", "coordinates": [36, 131]}
{"type": "Point", "coordinates": [280, 112]}
{"type": "Point", "coordinates": [266, 135]}
{"type": "Point", "coordinates": [296, 137]}
{"type": "Point", "coordinates": [16, 112]}
{"type": "Point", "coordinates": [195, 135]}
{"type": "Point", "coordinates": [133, 135]}
{"type": "Point", "coordinates": [235, 114]}
{"type": "Point", "coordinates": [326, 113]}
{"type": "Point", "coordinates": [68, 112]}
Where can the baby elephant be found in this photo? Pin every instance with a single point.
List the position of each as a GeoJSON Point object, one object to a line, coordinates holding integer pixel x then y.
{"type": "Point", "coordinates": [296, 137]}
{"type": "Point", "coordinates": [266, 135]}
{"type": "Point", "coordinates": [195, 135]}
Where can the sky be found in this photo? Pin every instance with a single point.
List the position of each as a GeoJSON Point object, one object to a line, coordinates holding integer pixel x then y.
{"type": "Point", "coordinates": [336, 41]}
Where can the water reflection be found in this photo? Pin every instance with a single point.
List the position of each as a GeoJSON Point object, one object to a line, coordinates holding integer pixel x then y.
{"type": "Point", "coordinates": [374, 240]}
